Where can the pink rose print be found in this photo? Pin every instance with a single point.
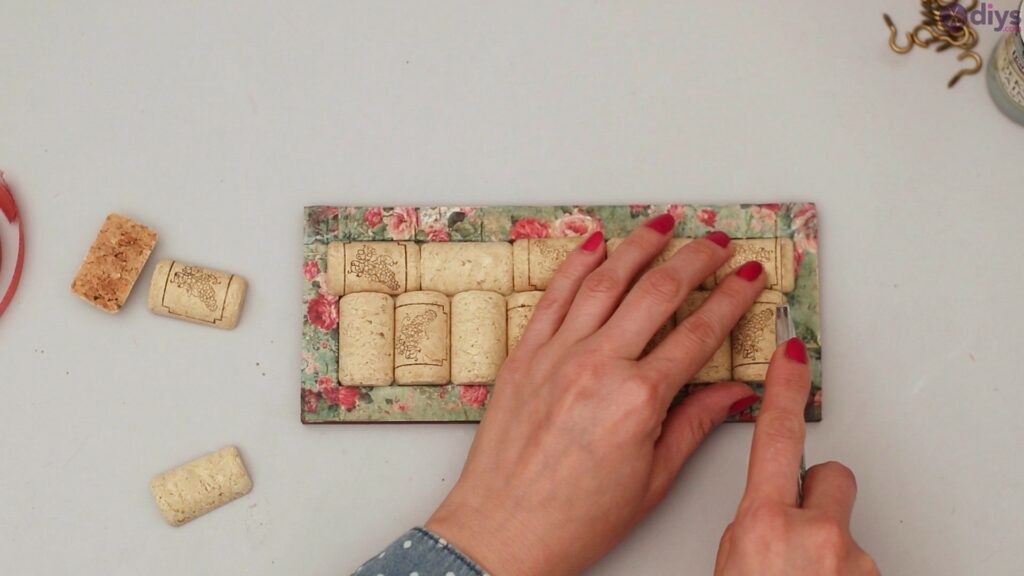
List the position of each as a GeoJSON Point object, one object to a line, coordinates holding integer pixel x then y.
{"type": "Point", "coordinates": [771, 207]}
{"type": "Point", "coordinates": [678, 211]}
{"type": "Point", "coordinates": [401, 407]}
{"type": "Point", "coordinates": [402, 223]}
{"type": "Point", "coordinates": [310, 363]}
{"type": "Point", "coordinates": [805, 237]}
{"type": "Point", "coordinates": [529, 228]}
{"type": "Point", "coordinates": [310, 270]}
{"type": "Point", "coordinates": [437, 232]}
{"type": "Point", "coordinates": [473, 395]}
{"type": "Point", "coordinates": [345, 396]}
{"type": "Point", "coordinates": [310, 401]}
{"type": "Point", "coordinates": [575, 225]}
{"type": "Point", "coordinates": [323, 312]}
{"type": "Point", "coordinates": [373, 216]}
{"type": "Point", "coordinates": [637, 207]}
{"type": "Point", "coordinates": [707, 217]}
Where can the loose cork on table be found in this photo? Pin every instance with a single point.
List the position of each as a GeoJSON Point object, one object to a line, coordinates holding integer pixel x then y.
{"type": "Point", "coordinates": [366, 339]}
{"type": "Point", "coordinates": [197, 294]}
{"type": "Point", "coordinates": [422, 327]}
{"type": "Point", "coordinates": [479, 336]}
{"type": "Point", "coordinates": [537, 259]}
{"type": "Point", "coordinates": [202, 485]}
{"type": "Point", "coordinates": [719, 367]}
{"type": "Point", "coordinates": [520, 307]}
{"type": "Point", "coordinates": [753, 338]}
{"type": "Point", "coordinates": [114, 262]}
{"type": "Point", "coordinates": [453, 267]}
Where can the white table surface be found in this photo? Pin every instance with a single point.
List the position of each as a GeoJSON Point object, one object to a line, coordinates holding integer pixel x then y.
{"type": "Point", "coordinates": [216, 122]}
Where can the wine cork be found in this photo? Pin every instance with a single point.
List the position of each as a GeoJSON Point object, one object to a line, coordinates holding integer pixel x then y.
{"type": "Point", "coordinates": [478, 336]}
{"type": "Point", "coordinates": [775, 254]}
{"type": "Point", "coordinates": [520, 308]}
{"type": "Point", "coordinates": [453, 267]}
{"type": "Point", "coordinates": [673, 246]}
{"type": "Point", "coordinates": [719, 367]}
{"type": "Point", "coordinates": [366, 339]}
{"type": "Point", "coordinates": [422, 322]}
{"type": "Point", "coordinates": [385, 267]}
{"type": "Point", "coordinates": [197, 294]}
{"type": "Point", "coordinates": [535, 260]}
{"type": "Point", "coordinates": [113, 263]}
{"type": "Point", "coordinates": [753, 339]}
{"type": "Point", "coordinates": [193, 489]}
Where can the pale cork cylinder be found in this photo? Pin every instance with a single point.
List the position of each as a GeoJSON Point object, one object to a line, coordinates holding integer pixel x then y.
{"type": "Point", "coordinates": [673, 246]}
{"type": "Point", "coordinates": [520, 307]}
{"type": "Point", "coordinates": [479, 337]}
{"type": "Point", "coordinates": [385, 267]}
{"type": "Point", "coordinates": [719, 367]}
{"type": "Point", "coordinates": [113, 263]}
{"type": "Point", "coordinates": [193, 489]}
{"type": "Point", "coordinates": [197, 294]}
{"type": "Point", "coordinates": [753, 338]}
{"type": "Point", "coordinates": [422, 328]}
{"type": "Point", "coordinates": [453, 267]}
{"type": "Point", "coordinates": [775, 254]}
{"type": "Point", "coordinates": [535, 260]}
{"type": "Point", "coordinates": [366, 339]}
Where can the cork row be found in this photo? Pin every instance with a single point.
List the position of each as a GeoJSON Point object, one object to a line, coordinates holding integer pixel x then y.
{"type": "Point", "coordinates": [522, 266]}
{"type": "Point", "coordinates": [440, 313]}
{"type": "Point", "coordinates": [426, 338]}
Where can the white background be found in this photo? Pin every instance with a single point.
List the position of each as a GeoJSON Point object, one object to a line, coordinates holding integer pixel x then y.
{"type": "Point", "coordinates": [215, 122]}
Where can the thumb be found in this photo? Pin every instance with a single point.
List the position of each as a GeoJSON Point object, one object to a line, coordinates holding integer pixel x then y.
{"type": "Point", "coordinates": [688, 424]}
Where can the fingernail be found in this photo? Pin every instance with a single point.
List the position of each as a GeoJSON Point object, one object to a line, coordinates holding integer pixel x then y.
{"type": "Point", "coordinates": [595, 240]}
{"type": "Point", "coordinates": [742, 404]}
{"type": "Point", "coordinates": [662, 224]}
{"type": "Point", "coordinates": [795, 350]}
{"type": "Point", "coordinates": [719, 237]}
{"type": "Point", "coordinates": [750, 271]}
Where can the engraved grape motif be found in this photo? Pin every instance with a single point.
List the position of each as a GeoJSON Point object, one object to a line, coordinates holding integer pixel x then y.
{"type": "Point", "coordinates": [750, 333]}
{"type": "Point", "coordinates": [198, 284]}
{"type": "Point", "coordinates": [413, 333]}
{"type": "Point", "coordinates": [377, 267]}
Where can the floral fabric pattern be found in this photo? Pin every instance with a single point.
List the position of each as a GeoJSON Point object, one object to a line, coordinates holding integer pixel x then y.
{"type": "Point", "coordinates": [324, 400]}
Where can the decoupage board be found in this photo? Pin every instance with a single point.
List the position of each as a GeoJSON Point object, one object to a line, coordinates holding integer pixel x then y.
{"type": "Point", "coordinates": [324, 401]}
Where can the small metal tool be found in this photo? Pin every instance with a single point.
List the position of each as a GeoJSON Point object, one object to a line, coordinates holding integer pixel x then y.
{"type": "Point", "coordinates": [784, 330]}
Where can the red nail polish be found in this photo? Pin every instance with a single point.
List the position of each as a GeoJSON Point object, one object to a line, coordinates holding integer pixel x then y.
{"type": "Point", "coordinates": [742, 404]}
{"type": "Point", "coordinates": [796, 351]}
{"type": "Point", "coordinates": [750, 271]}
{"type": "Point", "coordinates": [662, 224]}
{"type": "Point", "coordinates": [720, 238]}
{"type": "Point", "coordinates": [595, 240]}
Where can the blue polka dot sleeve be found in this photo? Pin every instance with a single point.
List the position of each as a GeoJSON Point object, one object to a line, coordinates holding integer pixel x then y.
{"type": "Point", "coordinates": [420, 553]}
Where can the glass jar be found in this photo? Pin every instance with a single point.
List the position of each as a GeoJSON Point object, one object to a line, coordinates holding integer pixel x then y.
{"type": "Point", "coordinates": [1006, 74]}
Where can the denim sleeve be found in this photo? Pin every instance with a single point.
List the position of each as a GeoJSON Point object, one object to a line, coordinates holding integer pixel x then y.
{"type": "Point", "coordinates": [420, 553]}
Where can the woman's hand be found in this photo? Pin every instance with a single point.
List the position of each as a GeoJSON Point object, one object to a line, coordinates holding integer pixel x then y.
{"type": "Point", "coordinates": [773, 533]}
{"type": "Point", "coordinates": [579, 442]}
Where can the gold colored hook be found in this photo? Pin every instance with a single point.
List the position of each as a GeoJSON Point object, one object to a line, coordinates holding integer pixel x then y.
{"type": "Point", "coordinates": [967, 71]}
{"type": "Point", "coordinates": [894, 34]}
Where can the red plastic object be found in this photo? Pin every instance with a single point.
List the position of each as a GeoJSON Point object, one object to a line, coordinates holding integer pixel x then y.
{"type": "Point", "coordinates": [10, 211]}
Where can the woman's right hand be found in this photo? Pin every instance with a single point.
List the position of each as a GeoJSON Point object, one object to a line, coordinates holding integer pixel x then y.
{"type": "Point", "coordinates": [774, 533]}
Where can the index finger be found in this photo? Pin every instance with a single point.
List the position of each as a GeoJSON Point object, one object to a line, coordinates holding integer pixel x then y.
{"type": "Point", "coordinates": [779, 432]}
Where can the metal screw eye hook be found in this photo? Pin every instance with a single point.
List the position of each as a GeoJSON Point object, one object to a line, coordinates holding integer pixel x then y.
{"type": "Point", "coordinates": [894, 34]}
{"type": "Point", "coordinates": [915, 36]}
{"type": "Point", "coordinates": [967, 71]}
